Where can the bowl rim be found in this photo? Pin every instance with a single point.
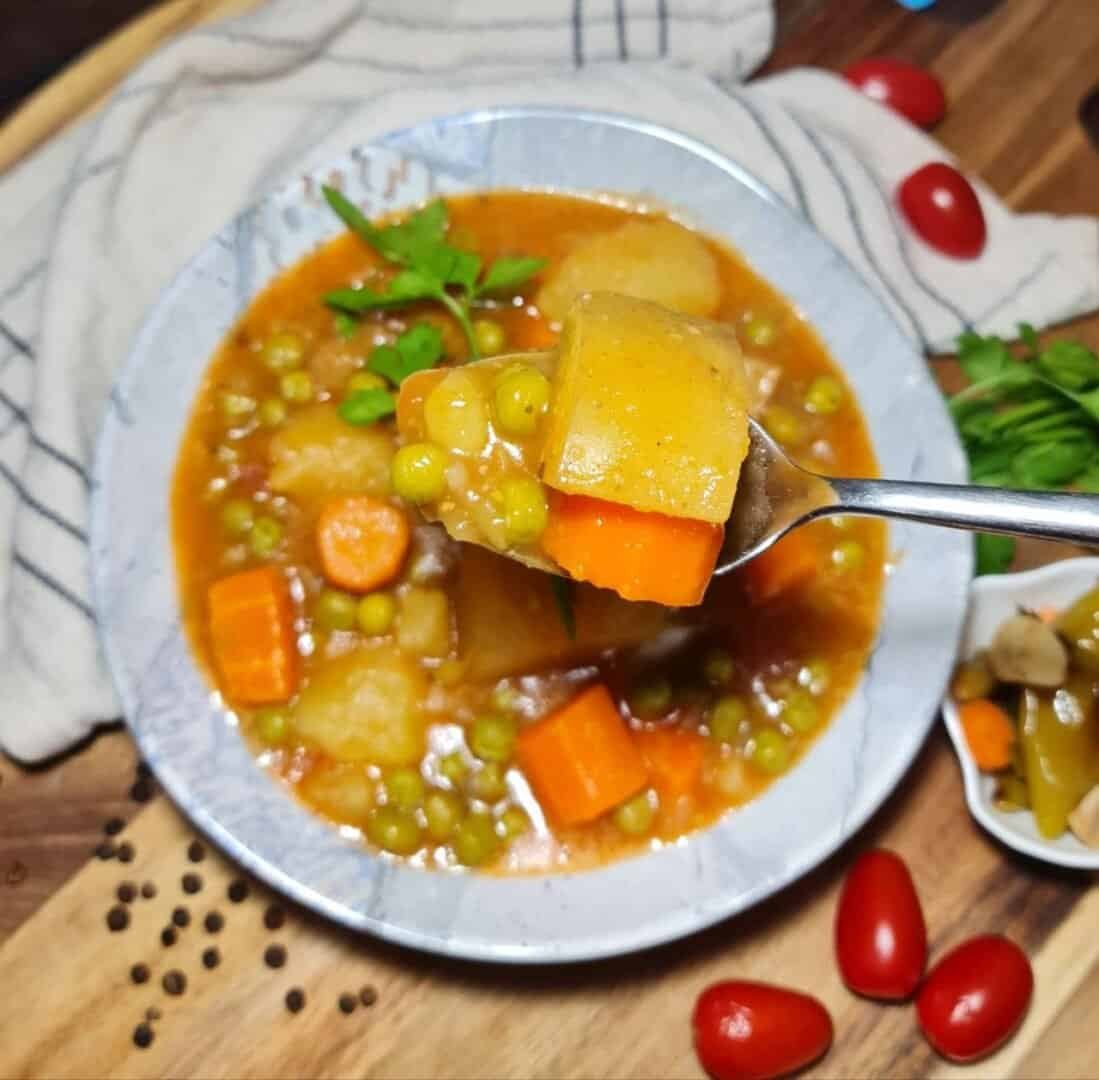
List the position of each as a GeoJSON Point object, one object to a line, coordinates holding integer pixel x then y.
{"type": "Point", "coordinates": [688, 920]}
{"type": "Point", "coordinates": [995, 821]}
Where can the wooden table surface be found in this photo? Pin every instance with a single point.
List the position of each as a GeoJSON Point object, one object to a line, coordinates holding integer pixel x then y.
{"type": "Point", "coordinates": [1016, 73]}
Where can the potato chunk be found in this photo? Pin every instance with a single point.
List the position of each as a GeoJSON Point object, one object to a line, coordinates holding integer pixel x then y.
{"type": "Point", "coordinates": [365, 706]}
{"type": "Point", "coordinates": [650, 409]}
{"type": "Point", "coordinates": [652, 260]}
{"type": "Point", "coordinates": [342, 792]}
{"type": "Point", "coordinates": [317, 455]}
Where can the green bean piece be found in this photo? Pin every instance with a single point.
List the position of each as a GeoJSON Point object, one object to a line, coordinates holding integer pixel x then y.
{"type": "Point", "coordinates": [493, 737]}
{"type": "Point", "coordinates": [283, 351]}
{"type": "Point", "coordinates": [652, 697]}
{"type": "Point", "coordinates": [375, 613]}
{"type": "Point", "coordinates": [265, 537]}
{"type": "Point", "coordinates": [848, 555]}
{"type": "Point", "coordinates": [515, 822]}
{"type": "Point", "coordinates": [296, 387]}
{"type": "Point", "coordinates": [635, 816]}
{"type": "Point", "coordinates": [237, 517]}
{"type": "Point", "coordinates": [825, 395]}
{"type": "Point", "coordinates": [490, 337]}
{"type": "Point", "coordinates": [730, 711]}
{"type": "Point", "coordinates": [335, 610]}
{"type": "Point", "coordinates": [800, 712]}
{"type": "Point", "coordinates": [488, 783]}
{"type": "Point", "coordinates": [393, 830]}
{"type": "Point", "coordinates": [418, 472]}
{"type": "Point", "coordinates": [520, 400]}
{"type": "Point", "coordinates": [718, 668]}
{"type": "Point", "coordinates": [272, 412]}
{"type": "Point", "coordinates": [443, 811]}
{"type": "Point", "coordinates": [760, 331]}
{"type": "Point", "coordinates": [475, 840]}
{"type": "Point", "coordinates": [404, 788]}
{"type": "Point", "coordinates": [770, 751]}
{"type": "Point", "coordinates": [454, 768]}
{"type": "Point", "coordinates": [272, 726]}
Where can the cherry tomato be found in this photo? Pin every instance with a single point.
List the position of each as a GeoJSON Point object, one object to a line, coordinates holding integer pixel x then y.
{"type": "Point", "coordinates": [974, 998]}
{"type": "Point", "coordinates": [881, 939]}
{"type": "Point", "coordinates": [943, 208]}
{"type": "Point", "coordinates": [752, 1031]}
{"type": "Point", "coordinates": [909, 90]}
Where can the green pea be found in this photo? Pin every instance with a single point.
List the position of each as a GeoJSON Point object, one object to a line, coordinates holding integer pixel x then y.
{"type": "Point", "coordinates": [848, 555]}
{"type": "Point", "coordinates": [365, 380]}
{"type": "Point", "coordinates": [718, 668]}
{"type": "Point", "coordinates": [760, 331]}
{"type": "Point", "coordinates": [515, 822]}
{"type": "Point", "coordinates": [493, 737]}
{"type": "Point", "coordinates": [272, 412]}
{"type": "Point", "coordinates": [726, 717]}
{"type": "Point", "coordinates": [235, 407]}
{"type": "Point", "coordinates": [335, 610]}
{"type": "Point", "coordinates": [265, 537]}
{"type": "Point", "coordinates": [825, 395]}
{"type": "Point", "coordinates": [490, 337]}
{"type": "Point", "coordinates": [475, 840]}
{"type": "Point", "coordinates": [418, 472]}
{"type": "Point", "coordinates": [488, 783]}
{"type": "Point", "coordinates": [283, 351]}
{"type": "Point", "coordinates": [770, 751]}
{"type": "Point", "coordinates": [272, 726]}
{"type": "Point", "coordinates": [651, 697]}
{"type": "Point", "coordinates": [520, 400]}
{"type": "Point", "coordinates": [237, 517]}
{"type": "Point", "coordinates": [800, 712]}
{"type": "Point", "coordinates": [783, 425]}
{"type": "Point", "coordinates": [635, 816]}
{"type": "Point", "coordinates": [296, 386]}
{"type": "Point", "coordinates": [526, 511]}
{"type": "Point", "coordinates": [815, 675]}
{"type": "Point", "coordinates": [393, 829]}
{"type": "Point", "coordinates": [443, 810]}
{"type": "Point", "coordinates": [454, 767]}
{"type": "Point", "coordinates": [404, 788]}
{"type": "Point", "coordinates": [375, 613]}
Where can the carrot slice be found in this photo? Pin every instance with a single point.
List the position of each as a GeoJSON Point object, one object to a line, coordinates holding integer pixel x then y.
{"type": "Point", "coordinates": [640, 555]}
{"type": "Point", "coordinates": [989, 733]}
{"type": "Point", "coordinates": [674, 760]}
{"type": "Point", "coordinates": [793, 561]}
{"type": "Point", "coordinates": [362, 542]}
{"type": "Point", "coordinates": [251, 620]}
{"type": "Point", "coordinates": [581, 760]}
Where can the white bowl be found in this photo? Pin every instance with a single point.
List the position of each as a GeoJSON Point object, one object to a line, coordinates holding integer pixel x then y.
{"type": "Point", "coordinates": [993, 599]}
{"type": "Point", "coordinates": [748, 855]}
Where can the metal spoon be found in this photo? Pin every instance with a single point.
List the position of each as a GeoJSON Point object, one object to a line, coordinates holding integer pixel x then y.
{"type": "Point", "coordinates": [774, 496]}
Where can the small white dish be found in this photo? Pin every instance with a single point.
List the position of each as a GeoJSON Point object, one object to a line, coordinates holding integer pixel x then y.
{"type": "Point", "coordinates": [993, 599]}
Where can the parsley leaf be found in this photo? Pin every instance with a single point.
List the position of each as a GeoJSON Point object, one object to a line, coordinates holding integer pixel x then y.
{"type": "Point", "coordinates": [368, 407]}
{"type": "Point", "coordinates": [994, 553]}
{"type": "Point", "coordinates": [982, 358]}
{"type": "Point", "coordinates": [345, 325]}
{"type": "Point", "coordinates": [432, 269]}
{"type": "Point", "coordinates": [563, 598]}
{"type": "Point", "coordinates": [417, 349]}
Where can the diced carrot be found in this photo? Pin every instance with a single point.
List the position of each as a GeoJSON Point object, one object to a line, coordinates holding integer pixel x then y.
{"type": "Point", "coordinates": [793, 561]}
{"type": "Point", "coordinates": [533, 334]}
{"type": "Point", "coordinates": [640, 555]}
{"type": "Point", "coordinates": [251, 619]}
{"type": "Point", "coordinates": [674, 760]}
{"type": "Point", "coordinates": [362, 542]}
{"type": "Point", "coordinates": [989, 733]}
{"type": "Point", "coordinates": [581, 760]}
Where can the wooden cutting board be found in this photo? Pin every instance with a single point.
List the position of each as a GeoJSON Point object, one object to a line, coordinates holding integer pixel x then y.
{"type": "Point", "coordinates": [1016, 72]}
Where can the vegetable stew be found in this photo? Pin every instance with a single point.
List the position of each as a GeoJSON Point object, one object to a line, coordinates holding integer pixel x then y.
{"type": "Point", "coordinates": [451, 706]}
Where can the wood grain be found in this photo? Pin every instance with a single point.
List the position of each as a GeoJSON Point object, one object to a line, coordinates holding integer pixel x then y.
{"type": "Point", "coordinates": [1015, 72]}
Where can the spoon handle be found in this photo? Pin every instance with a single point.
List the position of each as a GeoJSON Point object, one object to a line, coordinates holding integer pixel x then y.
{"type": "Point", "coordinates": [1049, 515]}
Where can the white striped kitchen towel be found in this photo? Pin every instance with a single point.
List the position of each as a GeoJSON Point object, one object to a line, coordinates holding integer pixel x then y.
{"type": "Point", "coordinates": [98, 224]}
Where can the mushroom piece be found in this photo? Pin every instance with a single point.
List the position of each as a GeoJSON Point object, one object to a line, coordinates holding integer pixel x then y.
{"type": "Point", "coordinates": [1084, 820]}
{"type": "Point", "coordinates": [1025, 650]}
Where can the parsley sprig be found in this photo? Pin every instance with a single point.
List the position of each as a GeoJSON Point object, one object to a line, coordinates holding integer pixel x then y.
{"type": "Point", "coordinates": [1030, 419]}
{"type": "Point", "coordinates": [417, 349]}
{"type": "Point", "coordinates": [431, 268]}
